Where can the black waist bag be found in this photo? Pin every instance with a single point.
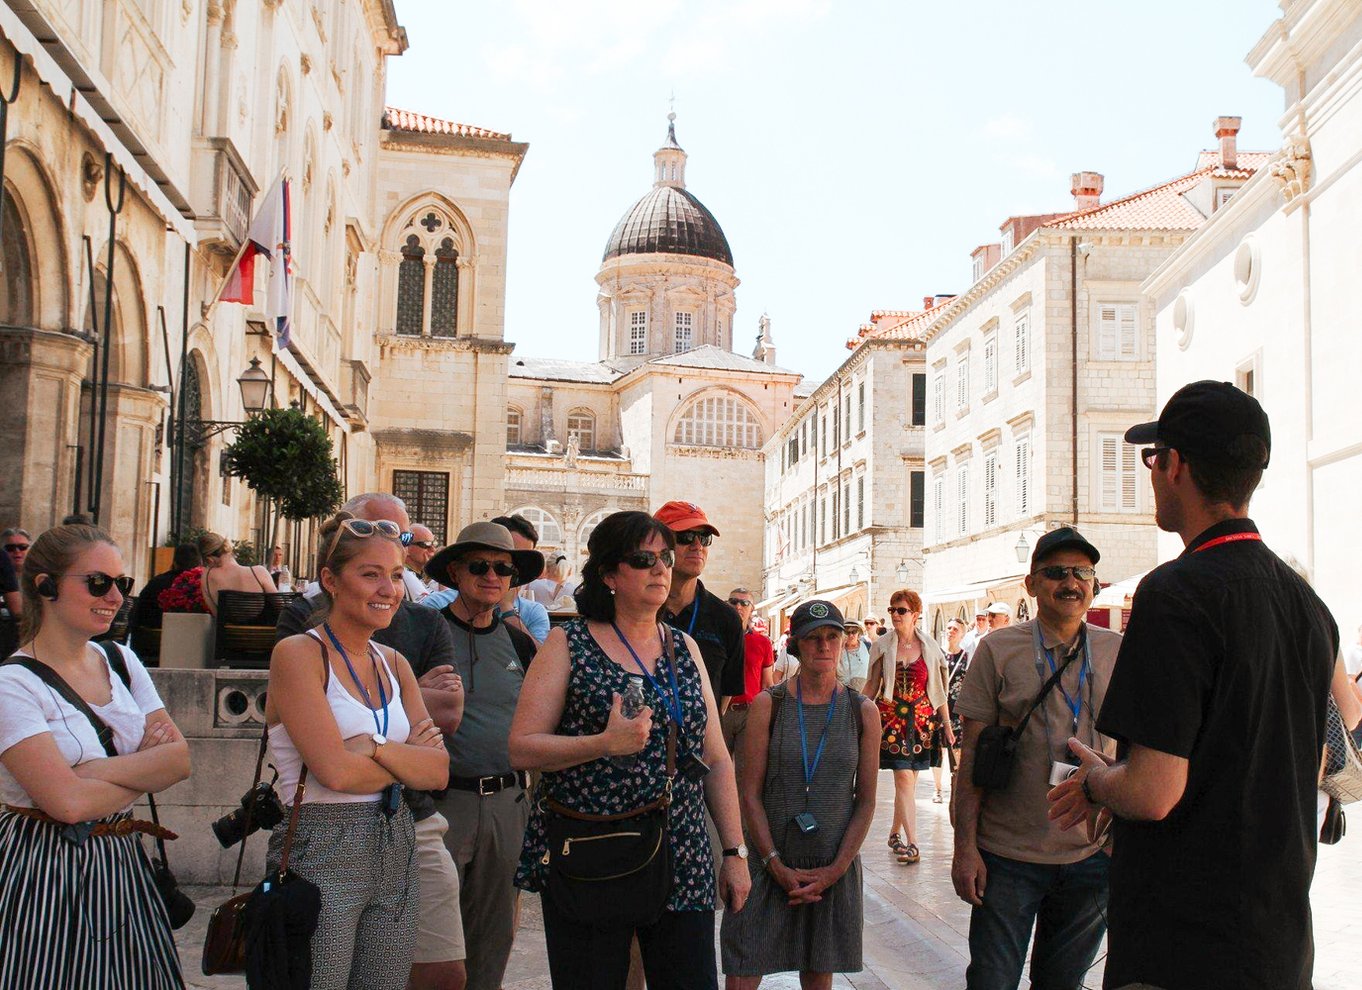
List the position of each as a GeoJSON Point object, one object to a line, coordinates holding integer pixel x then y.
{"type": "Point", "coordinates": [996, 751]}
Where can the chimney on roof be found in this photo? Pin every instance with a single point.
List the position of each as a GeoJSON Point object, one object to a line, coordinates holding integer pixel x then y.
{"type": "Point", "coordinates": [1087, 189]}
{"type": "Point", "coordinates": [1227, 130]}
{"type": "Point", "coordinates": [926, 302]}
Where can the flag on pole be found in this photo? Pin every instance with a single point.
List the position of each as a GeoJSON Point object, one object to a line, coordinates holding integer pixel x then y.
{"type": "Point", "coordinates": [269, 237]}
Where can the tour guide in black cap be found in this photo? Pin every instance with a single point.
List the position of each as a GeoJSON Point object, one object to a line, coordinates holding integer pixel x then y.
{"type": "Point", "coordinates": [1217, 703]}
{"type": "Point", "coordinates": [810, 616]}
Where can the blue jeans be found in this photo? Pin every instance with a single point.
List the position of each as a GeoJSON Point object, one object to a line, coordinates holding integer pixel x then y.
{"type": "Point", "coordinates": [1066, 903]}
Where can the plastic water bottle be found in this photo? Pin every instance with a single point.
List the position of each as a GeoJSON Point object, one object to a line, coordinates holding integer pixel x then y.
{"type": "Point", "coordinates": [630, 705]}
{"type": "Point", "coordinates": [285, 582]}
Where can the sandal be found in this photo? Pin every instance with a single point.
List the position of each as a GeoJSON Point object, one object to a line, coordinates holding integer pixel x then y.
{"type": "Point", "coordinates": [936, 798]}
{"type": "Point", "coordinates": [910, 854]}
{"type": "Point", "coordinates": [896, 844]}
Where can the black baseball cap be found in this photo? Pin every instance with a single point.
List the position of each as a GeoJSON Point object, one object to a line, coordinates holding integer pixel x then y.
{"type": "Point", "coordinates": [810, 616]}
{"type": "Point", "coordinates": [1059, 539]}
{"type": "Point", "coordinates": [1204, 419]}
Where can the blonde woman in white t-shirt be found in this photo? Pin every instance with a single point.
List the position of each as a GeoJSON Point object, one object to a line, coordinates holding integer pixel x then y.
{"type": "Point", "coordinates": [78, 903]}
{"type": "Point", "coordinates": [351, 712]}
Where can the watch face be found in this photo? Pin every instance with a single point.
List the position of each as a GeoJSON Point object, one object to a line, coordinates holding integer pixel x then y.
{"type": "Point", "coordinates": [742, 850]}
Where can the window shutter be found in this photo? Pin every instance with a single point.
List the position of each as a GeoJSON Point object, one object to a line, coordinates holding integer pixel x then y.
{"type": "Point", "coordinates": [990, 364]}
{"type": "Point", "coordinates": [1022, 342]}
{"type": "Point", "coordinates": [962, 493]}
{"type": "Point", "coordinates": [1128, 331]}
{"type": "Point", "coordinates": [939, 399]}
{"type": "Point", "coordinates": [1023, 475]}
{"type": "Point", "coordinates": [1129, 476]}
{"type": "Point", "coordinates": [938, 507]}
{"type": "Point", "coordinates": [1110, 461]}
{"type": "Point", "coordinates": [990, 490]}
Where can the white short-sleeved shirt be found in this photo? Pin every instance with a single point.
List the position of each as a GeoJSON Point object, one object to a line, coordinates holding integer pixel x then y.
{"type": "Point", "coordinates": [28, 707]}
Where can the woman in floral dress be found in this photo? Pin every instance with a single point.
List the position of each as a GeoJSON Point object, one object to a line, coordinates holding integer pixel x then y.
{"type": "Point", "coordinates": [569, 725]}
{"type": "Point", "coordinates": [907, 679]}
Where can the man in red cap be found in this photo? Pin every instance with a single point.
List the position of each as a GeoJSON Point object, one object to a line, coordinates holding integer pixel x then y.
{"type": "Point", "coordinates": [706, 618]}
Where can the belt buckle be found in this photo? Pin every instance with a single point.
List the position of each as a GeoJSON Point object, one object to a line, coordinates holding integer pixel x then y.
{"type": "Point", "coordinates": [482, 786]}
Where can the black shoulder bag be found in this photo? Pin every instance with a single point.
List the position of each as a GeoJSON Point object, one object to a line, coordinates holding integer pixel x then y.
{"type": "Point", "coordinates": [610, 871]}
{"type": "Point", "coordinates": [996, 751]}
{"type": "Point", "coordinates": [178, 906]}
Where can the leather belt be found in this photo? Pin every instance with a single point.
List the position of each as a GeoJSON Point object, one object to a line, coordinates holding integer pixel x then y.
{"type": "Point", "coordinates": [737, 706]}
{"type": "Point", "coordinates": [487, 786]}
{"type": "Point", "coordinates": [123, 826]}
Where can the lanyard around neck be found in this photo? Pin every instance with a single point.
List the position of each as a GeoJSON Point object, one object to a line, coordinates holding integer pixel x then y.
{"type": "Point", "coordinates": [1229, 538]}
{"type": "Point", "coordinates": [1084, 670]}
{"type": "Point", "coordinates": [673, 700]}
{"type": "Point", "coordinates": [811, 768]}
{"type": "Point", "coordinates": [378, 677]}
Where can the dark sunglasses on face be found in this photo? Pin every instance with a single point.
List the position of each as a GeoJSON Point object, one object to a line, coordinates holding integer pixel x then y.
{"type": "Point", "coordinates": [1058, 572]}
{"type": "Point", "coordinates": [1150, 455]}
{"type": "Point", "coordinates": [425, 544]}
{"type": "Point", "coordinates": [689, 536]}
{"type": "Point", "coordinates": [740, 603]}
{"type": "Point", "coordinates": [499, 567]}
{"type": "Point", "coordinates": [99, 583]}
{"type": "Point", "coordinates": [646, 560]}
{"type": "Point", "coordinates": [898, 610]}
{"type": "Point", "coordinates": [15, 547]}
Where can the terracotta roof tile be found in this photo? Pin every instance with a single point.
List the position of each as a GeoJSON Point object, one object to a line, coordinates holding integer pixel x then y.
{"type": "Point", "coordinates": [395, 119]}
{"type": "Point", "coordinates": [893, 324]}
{"type": "Point", "coordinates": [1161, 207]}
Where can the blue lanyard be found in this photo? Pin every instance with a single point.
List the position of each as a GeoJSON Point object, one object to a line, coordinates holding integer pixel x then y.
{"type": "Point", "coordinates": [694, 614]}
{"type": "Point", "coordinates": [671, 701]}
{"type": "Point", "coordinates": [1075, 703]}
{"type": "Point", "coordinates": [810, 770]}
{"type": "Point", "coordinates": [382, 695]}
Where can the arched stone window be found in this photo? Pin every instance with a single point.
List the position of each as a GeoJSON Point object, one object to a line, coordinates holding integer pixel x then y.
{"type": "Point", "coordinates": [432, 246]}
{"type": "Point", "coordinates": [444, 291]}
{"type": "Point", "coordinates": [589, 525]}
{"type": "Point", "coordinates": [411, 288]}
{"type": "Point", "coordinates": [16, 280]}
{"type": "Point", "coordinates": [550, 533]}
{"type": "Point", "coordinates": [719, 420]}
{"type": "Point", "coordinates": [514, 426]}
{"type": "Point", "coordinates": [581, 423]}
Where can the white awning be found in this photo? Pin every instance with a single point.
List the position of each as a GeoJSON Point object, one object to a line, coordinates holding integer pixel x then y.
{"type": "Point", "coordinates": [1118, 595]}
{"type": "Point", "coordinates": [968, 592]}
{"type": "Point", "coordinates": [295, 369]}
{"type": "Point", "coordinates": [776, 601]}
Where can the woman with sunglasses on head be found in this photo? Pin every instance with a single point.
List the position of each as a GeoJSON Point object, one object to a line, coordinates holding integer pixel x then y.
{"type": "Point", "coordinates": [221, 572]}
{"type": "Point", "coordinates": [77, 896]}
{"type": "Point", "coordinates": [907, 679]}
{"type": "Point", "coordinates": [570, 724]}
{"type": "Point", "coordinates": [349, 713]}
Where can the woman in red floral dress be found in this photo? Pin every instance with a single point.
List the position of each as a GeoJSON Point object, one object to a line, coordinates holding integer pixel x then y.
{"type": "Point", "coordinates": [907, 679]}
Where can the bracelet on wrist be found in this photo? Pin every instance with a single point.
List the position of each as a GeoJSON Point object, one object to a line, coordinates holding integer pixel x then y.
{"type": "Point", "coordinates": [772, 855]}
{"type": "Point", "coordinates": [1087, 789]}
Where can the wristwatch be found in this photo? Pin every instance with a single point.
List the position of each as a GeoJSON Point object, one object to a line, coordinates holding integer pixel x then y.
{"type": "Point", "coordinates": [773, 854]}
{"type": "Point", "coordinates": [379, 740]}
{"type": "Point", "coordinates": [1087, 791]}
{"type": "Point", "coordinates": [740, 850]}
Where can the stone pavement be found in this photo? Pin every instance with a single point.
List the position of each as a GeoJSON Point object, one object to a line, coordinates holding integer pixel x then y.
{"type": "Point", "coordinates": [915, 927]}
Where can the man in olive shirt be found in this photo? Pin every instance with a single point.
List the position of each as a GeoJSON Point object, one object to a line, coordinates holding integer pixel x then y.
{"type": "Point", "coordinates": [1015, 866]}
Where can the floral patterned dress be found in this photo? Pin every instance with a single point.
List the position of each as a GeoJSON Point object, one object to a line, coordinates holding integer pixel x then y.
{"type": "Point", "coordinates": [908, 721]}
{"type": "Point", "coordinates": [603, 788]}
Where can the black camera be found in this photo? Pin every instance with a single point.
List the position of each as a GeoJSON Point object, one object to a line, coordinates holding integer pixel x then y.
{"type": "Point", "coordinates": [268, 812]}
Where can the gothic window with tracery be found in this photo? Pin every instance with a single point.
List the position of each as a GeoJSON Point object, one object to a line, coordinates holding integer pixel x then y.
{"type": "Point", "coordinates": [411, 288]}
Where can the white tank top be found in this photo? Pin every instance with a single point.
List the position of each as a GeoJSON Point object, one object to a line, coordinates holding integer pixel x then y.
{"type": "Point", "coordinates": [353, 718]}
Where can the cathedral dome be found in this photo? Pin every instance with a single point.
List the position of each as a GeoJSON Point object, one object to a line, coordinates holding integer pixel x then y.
{"type": "Point", "coordinates": [669, 219]}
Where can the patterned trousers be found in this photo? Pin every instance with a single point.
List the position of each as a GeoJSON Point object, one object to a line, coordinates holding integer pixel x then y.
{"type": "Point", "coordinates": [365, 864]}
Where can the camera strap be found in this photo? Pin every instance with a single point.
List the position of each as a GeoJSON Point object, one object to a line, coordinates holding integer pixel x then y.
{"type": "Point", "coordinates": [1049, 686]}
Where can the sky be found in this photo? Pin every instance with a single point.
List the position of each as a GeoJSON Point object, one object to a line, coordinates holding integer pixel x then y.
{"type": "Point", "coordinates": [854, 153]}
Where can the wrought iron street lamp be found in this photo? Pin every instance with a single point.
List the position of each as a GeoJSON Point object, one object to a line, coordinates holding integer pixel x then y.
{"type": "Point", "coordinates": [255, 388]}
{"type": "Point", "coordinates": [1023, 549]}
{"type": "Point", "coordinates": [902, 572]}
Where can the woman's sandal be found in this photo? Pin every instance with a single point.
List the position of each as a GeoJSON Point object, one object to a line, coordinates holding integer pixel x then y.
{"type": "Point", "coordinates": [896, 844]}
{"type": "Point", "coordinates": [910, 854]}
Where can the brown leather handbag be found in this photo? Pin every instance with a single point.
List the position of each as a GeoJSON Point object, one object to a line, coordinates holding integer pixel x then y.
{"type": "Point", "coordinates": [224, 946]}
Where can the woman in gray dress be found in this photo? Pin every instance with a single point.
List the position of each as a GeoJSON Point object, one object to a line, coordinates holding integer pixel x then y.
{"type": "Point", "coordinates": [807, 766]}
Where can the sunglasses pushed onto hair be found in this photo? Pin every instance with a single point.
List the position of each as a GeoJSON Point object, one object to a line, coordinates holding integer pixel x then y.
{"type": "Point", "coordinates": [364, 528]}
{"type": "Point", "coordinates": [499, 567]}
{"type": "Point", "coordinates": [646, 560]}
{"type": "Point", "coordinates": [97, 583]}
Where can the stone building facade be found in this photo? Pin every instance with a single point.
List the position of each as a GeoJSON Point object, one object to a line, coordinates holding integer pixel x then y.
{"type": "Point", "coordinates": [845, 479]}
{"type": "Point", "coordinates": [1263, 296]}
{"type": "Point", "coordinates": [1034, 374]}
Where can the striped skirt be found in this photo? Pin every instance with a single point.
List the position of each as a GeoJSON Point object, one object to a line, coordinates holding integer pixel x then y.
{"type": "Point", "coordinates": [86, 916]}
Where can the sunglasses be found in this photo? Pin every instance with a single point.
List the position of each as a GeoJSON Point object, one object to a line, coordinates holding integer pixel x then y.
{"type": "Point", "coordinates": [689, 536]}
{"type": "Point", "coordinates": [1150, 455]}
{"type": "Point", "coordinates": [1058, 572]}
{"type": "Point", "coordinates": [898, 610]}
{"type": "Point", "coordinates": [364, 528]}
{"type": "Point", "coordinates": [99, 583]}
{"type": "Point", "coordinates": [646, 560]}
{"type": "Point", "coordinates": [424, 544]}
{"type": "Point", "coordinates": [740, 603]}
{"type": "Point", "coordinates": [499, 567]}
{"type": "Point", "coordinates": [15, 547]}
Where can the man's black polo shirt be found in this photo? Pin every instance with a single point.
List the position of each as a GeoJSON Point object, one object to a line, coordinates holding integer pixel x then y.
{"type": "Point", "coordinates": [1226, 662]}
{"type": "Point", "coordinates": [717, 630]}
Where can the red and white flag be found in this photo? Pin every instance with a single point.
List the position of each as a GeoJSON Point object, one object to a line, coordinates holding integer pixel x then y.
{"type": "Point", "coordinates": [269, 238]}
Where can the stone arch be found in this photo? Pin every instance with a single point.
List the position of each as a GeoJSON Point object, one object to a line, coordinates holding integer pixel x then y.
{"type": "Point", "coordinates": [428, 268]}
{"type": "Point", "coordinates": [129, 340]}
{"type": "Point", "coordinates": [37, 205]}
{"type": "Point", "coordinates": [735, 421]}
{"type": "Point", "coordinates": [406, 218]}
